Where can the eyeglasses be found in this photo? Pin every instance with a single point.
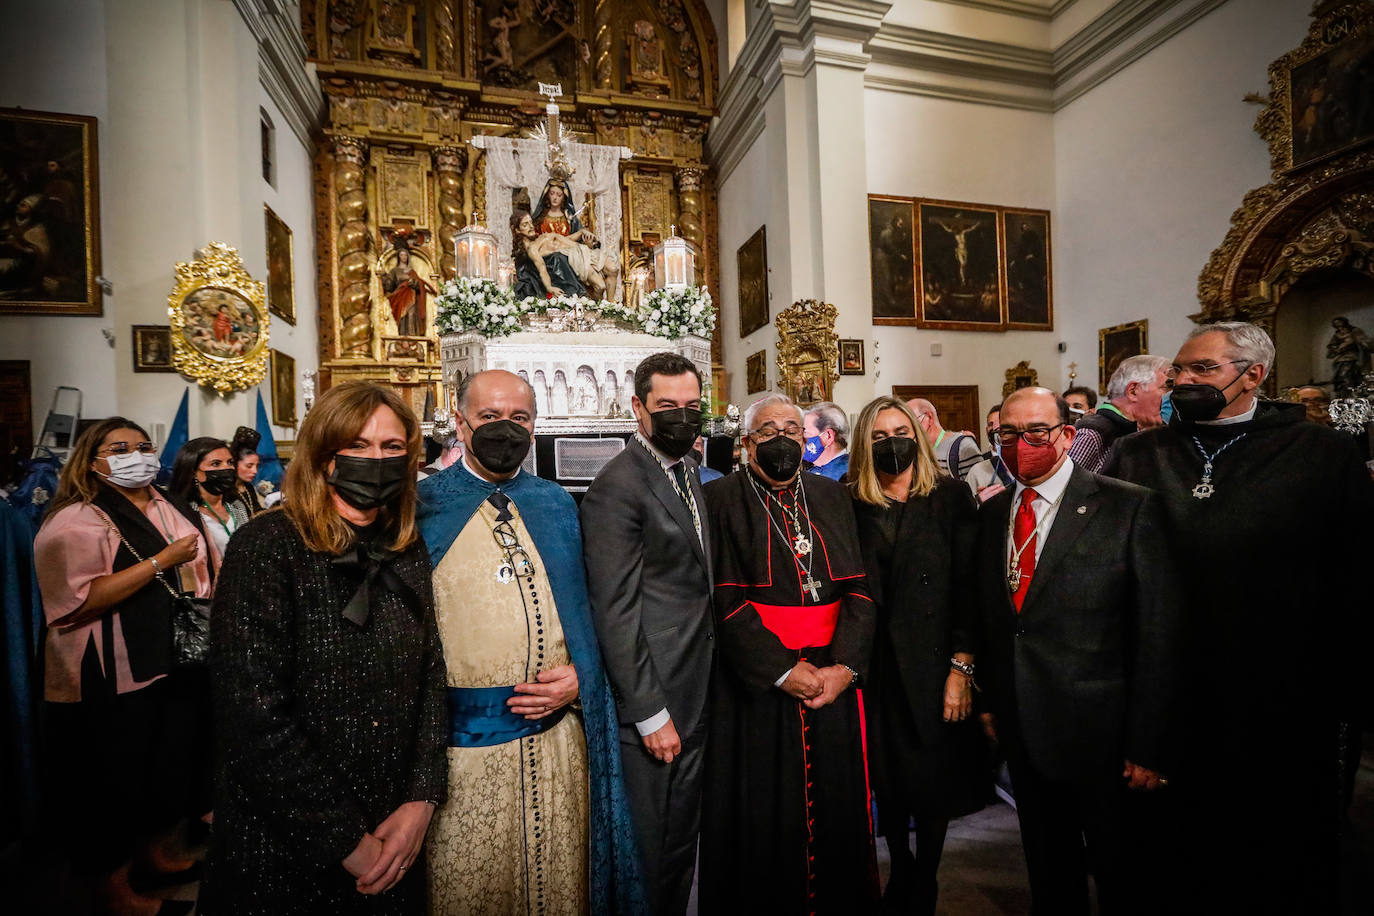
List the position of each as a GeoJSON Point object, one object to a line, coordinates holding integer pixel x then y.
{"type": "Point", "coordinates": [509, 541]}
{"type": "Point", "coordinates": [123, 448]}
{"type": "Point", "coordinates": [1040, 435]}
{"type": "Point", "coordinates": [1201, 370]}
{"type": "Point", "coordinates": [768, 432]}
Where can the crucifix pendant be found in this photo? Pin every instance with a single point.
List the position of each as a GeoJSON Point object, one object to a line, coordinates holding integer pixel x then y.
{"type": "Point", "coordinates": [811, 587]}
{"type": "Point", "coordinates": [1204, 488]}
{"type": "Point", "coordinates": [1014, 578]}
{"type": "Point", "coordinates": [801, 546]}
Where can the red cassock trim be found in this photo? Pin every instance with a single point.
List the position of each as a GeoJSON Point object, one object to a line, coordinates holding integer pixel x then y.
{"type": "Point", "coordinates": [802, 626]}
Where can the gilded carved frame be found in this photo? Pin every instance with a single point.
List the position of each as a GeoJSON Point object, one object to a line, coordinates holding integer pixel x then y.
{"type": "Point", "coordinates": [227, 355]}
{"type": "Point", "coordinates": [808, 351]}
{"type": "Point", "coordinates": [1313, 216]}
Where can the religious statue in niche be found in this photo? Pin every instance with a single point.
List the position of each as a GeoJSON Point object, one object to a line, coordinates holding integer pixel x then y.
{"type": "Point", "coordinates": [406, 290]}
{"type": "Point", "coordinates": [646, 60]}
{"type": "Point", "coordinates": [1348, 350]}
{"type": "Point", "coordinates": [546, 262]}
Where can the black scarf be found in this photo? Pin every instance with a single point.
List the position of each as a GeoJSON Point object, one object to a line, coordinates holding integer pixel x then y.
{"type": "Point", "coordinates": [146, 615]}
{"type": "Point", "coordinates": [375, 566]}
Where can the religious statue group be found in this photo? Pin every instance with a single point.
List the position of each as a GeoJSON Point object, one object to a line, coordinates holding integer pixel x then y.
{"type": "Point", "coordinates": [554, 253]}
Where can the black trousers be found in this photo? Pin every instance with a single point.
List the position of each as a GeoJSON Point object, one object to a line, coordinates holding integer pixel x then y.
{"type": "Point", "coordinates": [665, 801]}
{"type": "Point", "coordinates": [1071, 827]}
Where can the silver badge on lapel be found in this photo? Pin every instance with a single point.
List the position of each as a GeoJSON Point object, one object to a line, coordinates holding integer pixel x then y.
{"type": "Point", "coordinates": [1082, 510]}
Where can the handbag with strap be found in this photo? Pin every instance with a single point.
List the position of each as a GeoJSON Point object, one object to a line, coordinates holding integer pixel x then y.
{"type": "Point", "coordinates": [190, 616]}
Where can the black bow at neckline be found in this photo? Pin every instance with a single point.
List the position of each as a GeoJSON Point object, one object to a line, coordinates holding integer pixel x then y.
{"type": "Point", "coordinates": [376, 567]}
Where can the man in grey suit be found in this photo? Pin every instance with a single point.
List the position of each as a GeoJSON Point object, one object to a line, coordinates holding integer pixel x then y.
{"type": "Point", "coordinates": [647, 551]}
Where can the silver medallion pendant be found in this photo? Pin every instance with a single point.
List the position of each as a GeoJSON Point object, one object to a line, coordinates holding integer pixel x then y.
{"type": "Point", "coordinates": [1204, 490]}
{"type": "Point", "coordinates": [1014, 578]}
{"type": "Point", "coordinates": [505, 573]}
{"type": "Point", "coordinates": [801, 546]}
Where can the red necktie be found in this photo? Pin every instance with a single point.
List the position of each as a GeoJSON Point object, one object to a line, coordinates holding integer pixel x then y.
{"type": "Point", "coordinates": [1023, 533]}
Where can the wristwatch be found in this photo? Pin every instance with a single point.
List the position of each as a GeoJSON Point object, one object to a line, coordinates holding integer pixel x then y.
{"type": "Point", "coordinates": [964, 668]}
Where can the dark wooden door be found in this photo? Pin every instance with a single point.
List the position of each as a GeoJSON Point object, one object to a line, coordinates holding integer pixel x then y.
{"type": "Point", "coordinates": [957, 405]}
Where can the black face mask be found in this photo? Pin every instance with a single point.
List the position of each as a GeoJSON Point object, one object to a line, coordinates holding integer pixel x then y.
{"type": "Point", "coordinates": [220, 481]}
{"type": "Point", "coordinates": [894, 454]}
{"type": "Point", "coordinates": [675, 430]}
{"type": "Point", "coordinates": [367, 483]}
{"type": "Point", "coordinates": [1195, 403]}
{"type": "Point", "coordinates": [500, 445]}
{"type": "Point", "coordinates": [779, 458]}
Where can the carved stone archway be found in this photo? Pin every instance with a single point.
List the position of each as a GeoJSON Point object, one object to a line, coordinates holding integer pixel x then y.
{"type": "Point", "coordinates": [1317, 215]}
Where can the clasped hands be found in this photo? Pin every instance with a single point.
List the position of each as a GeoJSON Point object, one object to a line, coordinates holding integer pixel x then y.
{"type": "Point", "coordinates": [816, 687]}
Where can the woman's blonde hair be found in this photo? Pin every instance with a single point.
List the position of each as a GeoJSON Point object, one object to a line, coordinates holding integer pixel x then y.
{"type": "Point", "coordinates": [77, 483]}
{"type": "Point", "coordinates": [863, 478]}
{"type": "Point", "coordinates": [331, 426]}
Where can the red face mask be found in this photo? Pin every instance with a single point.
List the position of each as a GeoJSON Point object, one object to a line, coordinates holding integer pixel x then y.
{"type": "Point", "coordinates": [1029, 462]}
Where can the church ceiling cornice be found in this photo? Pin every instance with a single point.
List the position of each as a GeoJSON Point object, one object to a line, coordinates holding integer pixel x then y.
{"type": "Point", "coordinates": [282, 68]}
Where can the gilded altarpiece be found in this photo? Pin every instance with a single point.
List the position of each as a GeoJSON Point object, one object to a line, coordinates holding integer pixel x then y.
{"type": "Point", "coordinates": [409, 84]}
{"type": "Point", "coordinates": [1317, 214]}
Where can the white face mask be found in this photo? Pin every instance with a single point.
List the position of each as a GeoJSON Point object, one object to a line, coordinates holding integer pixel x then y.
{"type": "Point", "coordinates": [132, 470]}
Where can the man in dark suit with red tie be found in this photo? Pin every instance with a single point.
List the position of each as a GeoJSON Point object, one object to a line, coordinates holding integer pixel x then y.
{"type": "Point", "coordinates": [1080, 617]}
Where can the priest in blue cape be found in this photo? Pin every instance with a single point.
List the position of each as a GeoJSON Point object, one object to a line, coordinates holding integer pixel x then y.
{"type": "Point", "coordinates": [536, 819]}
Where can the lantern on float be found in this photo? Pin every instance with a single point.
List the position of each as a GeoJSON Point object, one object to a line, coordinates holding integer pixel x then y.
{"type": "Point", "coordinates": [675, 263]}
{"type": "Point", "coordinates": [474, 252]}
{"type": "Point", "coordinates": [506, 274]}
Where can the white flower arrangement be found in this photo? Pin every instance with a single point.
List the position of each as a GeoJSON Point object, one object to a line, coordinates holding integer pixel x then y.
{"type": "Point", "coordinates": [479, 306]}
{"type": "Point", "coordinates": [674, 313]}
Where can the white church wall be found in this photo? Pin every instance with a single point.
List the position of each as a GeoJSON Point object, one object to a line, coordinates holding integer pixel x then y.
{"type": "Point", "coordinates": [180, 167]}
{"type": "Point", "coordinates": [293, 200]}
{"type": "Point", "coordinates": [1149, 167]}
{"type": "Point", "coordinates": [950, 150]}
{"type": "Point", "coordinates": [64, 40]}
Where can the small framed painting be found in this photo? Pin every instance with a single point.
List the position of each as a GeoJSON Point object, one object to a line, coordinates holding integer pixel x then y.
{"type": "Point", "coordinates": [283, 389]}
{"type": "Point", "coordinates": [851, 357]}
{"type": "Point", "coordinates": [756, 372]}
{"type": "Point", "coordinates": [152, 348]}
{"type": "Point", "coordinates": [1118, 343]}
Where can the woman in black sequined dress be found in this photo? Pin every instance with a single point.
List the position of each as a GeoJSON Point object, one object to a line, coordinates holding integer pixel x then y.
{"type": "Point", "coordinates": [329, 679]}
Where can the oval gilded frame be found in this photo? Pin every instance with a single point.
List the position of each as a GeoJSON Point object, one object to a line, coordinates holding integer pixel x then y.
{"type": "Point", "coordinates": [228, 354]}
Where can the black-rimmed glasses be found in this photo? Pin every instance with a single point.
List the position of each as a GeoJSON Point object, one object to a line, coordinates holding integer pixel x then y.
{"type": "Point", "coordinates": [768, 432]}
{"type": "Point", "coordinates": [1040, 435]}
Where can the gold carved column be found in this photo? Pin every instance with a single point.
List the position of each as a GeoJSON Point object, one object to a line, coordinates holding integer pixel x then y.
{"type": "Point", "coordinates": [352, 243]}
{"type": "Point", "coordinates": [689, 207]}
{"type": "Point", "coordinates": [449, 164]}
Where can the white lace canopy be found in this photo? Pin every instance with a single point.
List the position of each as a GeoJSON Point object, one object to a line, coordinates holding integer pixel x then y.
{"type": "Point", "coordinates": [518, 162]}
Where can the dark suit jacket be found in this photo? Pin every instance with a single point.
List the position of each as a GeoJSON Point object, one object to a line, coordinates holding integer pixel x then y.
{"type": "Point", "coordinates": [1087, 673]}
{"type": "Point", "coordinates": [649, 579]}
{"type": "Point", "coordinates": [926, 607]}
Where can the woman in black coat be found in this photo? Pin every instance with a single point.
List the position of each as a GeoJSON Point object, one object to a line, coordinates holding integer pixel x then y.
{"type": "Point", "coordinates": [329, 679]}
{"type": "Point", "coordinates": [925, 750]}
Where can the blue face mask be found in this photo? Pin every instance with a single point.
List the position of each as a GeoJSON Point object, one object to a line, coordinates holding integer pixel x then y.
{"type": "Point", "coordinates": [1166, 408]}
{"type": "Point", "coordinates": [813, 448]}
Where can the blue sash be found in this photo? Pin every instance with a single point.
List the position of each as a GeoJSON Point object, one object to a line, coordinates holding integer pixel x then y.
{"type": "Point", "coordinates": [479, 717]}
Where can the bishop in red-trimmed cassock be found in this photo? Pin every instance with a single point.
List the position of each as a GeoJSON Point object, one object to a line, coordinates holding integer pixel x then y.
{"type": "Point", "coordinates": [785, 820]}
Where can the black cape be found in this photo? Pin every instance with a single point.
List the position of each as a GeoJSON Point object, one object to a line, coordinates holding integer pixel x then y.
{"type": "Point", "coordinates": [785, 825]}
{"type": "Point", "coordinates": [1276, 642]}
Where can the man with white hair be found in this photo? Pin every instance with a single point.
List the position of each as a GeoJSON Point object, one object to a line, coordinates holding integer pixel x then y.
{"type": "Point", "coordinates": [1273, 650]}
{"type": "Point", "coordinates": [955, 453]}
{"type": "Point", "coordinates": [827, 440]}
{"type": "Point", "coordinates": [1135, 393]}
{"type": "Point", "coordinates": [784, 826]}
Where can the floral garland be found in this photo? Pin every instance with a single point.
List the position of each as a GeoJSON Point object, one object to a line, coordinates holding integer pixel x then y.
{"type": "Point", "coordinates": [481, 306]}
{"type": "Point", "coordinates": [477, 305]}
{"type": "Point", "coordinates": [674, 313]}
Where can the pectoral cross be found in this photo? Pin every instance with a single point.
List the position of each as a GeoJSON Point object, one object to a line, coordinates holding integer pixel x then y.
{"type": "Point", "coordinates": [811, 587]}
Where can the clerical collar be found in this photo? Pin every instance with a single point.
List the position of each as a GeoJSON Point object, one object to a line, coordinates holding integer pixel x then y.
{"type": "Point", "coordinates": [769, 486]}
{"type": "Point", "coordinates": [1050, 489]}
{"type": "Point", "coordinates": [1238, 418]}
{"type": "Point", "coordinates": [494, 483]}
